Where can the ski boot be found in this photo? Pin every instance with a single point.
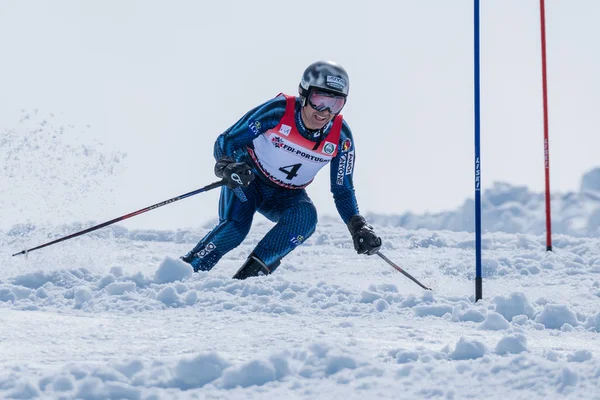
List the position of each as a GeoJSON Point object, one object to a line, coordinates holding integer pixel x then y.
{"type": "Point", "coordinates": [254, 266]}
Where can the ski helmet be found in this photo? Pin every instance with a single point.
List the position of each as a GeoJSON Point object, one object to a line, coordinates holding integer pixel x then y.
{"type": "Point", "coordinates": [324, 75]}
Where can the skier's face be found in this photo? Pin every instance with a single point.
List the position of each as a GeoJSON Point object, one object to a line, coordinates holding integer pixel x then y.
{"type": "Point", "coordinates": [314, 119]}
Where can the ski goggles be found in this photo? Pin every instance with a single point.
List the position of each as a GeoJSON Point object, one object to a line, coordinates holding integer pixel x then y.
{"type": "Point", "coordinates": [322, 101]}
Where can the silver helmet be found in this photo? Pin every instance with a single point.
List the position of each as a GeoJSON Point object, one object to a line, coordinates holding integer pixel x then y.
{"type": "Point", "coordinates": [324, 75]}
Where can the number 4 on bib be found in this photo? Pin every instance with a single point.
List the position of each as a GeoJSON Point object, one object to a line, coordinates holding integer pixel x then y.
{"type": "Point", "coordinates": [291, 170]}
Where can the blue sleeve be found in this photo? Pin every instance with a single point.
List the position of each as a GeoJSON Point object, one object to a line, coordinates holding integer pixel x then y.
{"type": "Point", "coordinates": [342, 169]}
{"type": "Point", "coordinates": [233, 141]}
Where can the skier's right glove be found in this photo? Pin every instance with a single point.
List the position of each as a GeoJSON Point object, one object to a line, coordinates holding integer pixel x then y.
{"type": "Point", "coordinates": [235, 174]}
{"type": "Point", "coordinates": [364, 238]}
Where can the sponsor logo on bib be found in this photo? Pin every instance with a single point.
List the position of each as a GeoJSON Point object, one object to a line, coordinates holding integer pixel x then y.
{"type": "Point", "coordinates": [329, 148]}
{"type": "Point", "coordinates": [285, 129]}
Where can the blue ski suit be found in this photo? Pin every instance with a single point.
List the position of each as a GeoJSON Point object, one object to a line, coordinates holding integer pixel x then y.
{"type": "Point", "coordinates": [289, 207]}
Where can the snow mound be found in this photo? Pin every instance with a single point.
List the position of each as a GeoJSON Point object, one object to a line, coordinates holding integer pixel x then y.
{"type": "Point", "coordinates": [171, 270]}
{"type": "Point", "coordinates": [198, 371]}
{"type": "Point", "coordinates": [512, 344]}
{"type": "Point", "coordinates": [494, 322]}
{"type": "Point", "coordinates": [134, 378]}
{"type": "Point", "coordinates": [512, 305]}
{"type": "Point", "coordinates": [468, 349]}
{"type": "Point", "coordinates": [554, 316]}
{"type": "Point", "coordinates": [580, 356]}
{"type": "Point", "coordinates": [513, 209]}
{"type": "Point", "coordinates": [593, 322]}
{"type": "Point", "coordinates": [591, 181]}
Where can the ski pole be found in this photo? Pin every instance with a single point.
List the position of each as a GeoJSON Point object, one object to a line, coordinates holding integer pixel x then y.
{"type": "Point", "coordinates": [133, 214]}
{"type": "Point", "coordinates": [409, 276]}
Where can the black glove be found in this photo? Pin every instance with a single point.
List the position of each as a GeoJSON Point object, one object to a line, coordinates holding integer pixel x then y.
{"type": "Point", "coordinates": [364, 238]}
{"type": "Point", "coordinates": [235, 174]}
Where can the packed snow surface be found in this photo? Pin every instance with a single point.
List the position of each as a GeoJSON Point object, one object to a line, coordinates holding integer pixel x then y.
{"type": "Point", "coordinates": [119, 316]}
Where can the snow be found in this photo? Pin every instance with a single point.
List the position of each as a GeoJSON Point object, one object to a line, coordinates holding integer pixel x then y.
{"type": "Point", "coordinates": [513, 305]}
{"type": "Point", "coordinates": [514, 209]}
{"type": "Point", "coordinates": [115, 314]}
{"type": "Point", "coordinates": [468, 349]}
{"type": "Point", "coordinates": [514, 344]}
{"type": "Point", "coordinates": [555, 316]}
{"type": "Point", "coordinates": [494, 322]}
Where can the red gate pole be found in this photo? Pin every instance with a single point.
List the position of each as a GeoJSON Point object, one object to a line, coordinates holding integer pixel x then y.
{"type": "Point", "coordinates": [546, 144]}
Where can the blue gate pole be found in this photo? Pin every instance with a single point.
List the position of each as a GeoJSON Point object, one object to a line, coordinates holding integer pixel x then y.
{"type": "Point", "coordinates": [478, 279]}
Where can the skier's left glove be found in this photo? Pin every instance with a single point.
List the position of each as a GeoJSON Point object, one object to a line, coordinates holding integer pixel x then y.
{"type": "Point", "coordinates": [235, 174]}
{"type": "Point", "coordinates": [364, 238]}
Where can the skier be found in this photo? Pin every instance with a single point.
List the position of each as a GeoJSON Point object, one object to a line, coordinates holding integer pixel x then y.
{"type": "Point", "coordinates": [268, 157]}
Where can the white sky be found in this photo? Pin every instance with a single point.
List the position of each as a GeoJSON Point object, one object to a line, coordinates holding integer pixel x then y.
{"type": "Point", "coordinates": [159, 80]}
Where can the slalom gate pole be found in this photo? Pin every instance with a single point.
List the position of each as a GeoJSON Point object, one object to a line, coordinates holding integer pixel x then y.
{"type": "Point", "coordinates": [133, 214]}
{"type": "Point", "coordinates": [546, 145]}
{"type": "Point", "coordinates": [409, 276]}
{"type": "Point", "coordinates": [478, 278]}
